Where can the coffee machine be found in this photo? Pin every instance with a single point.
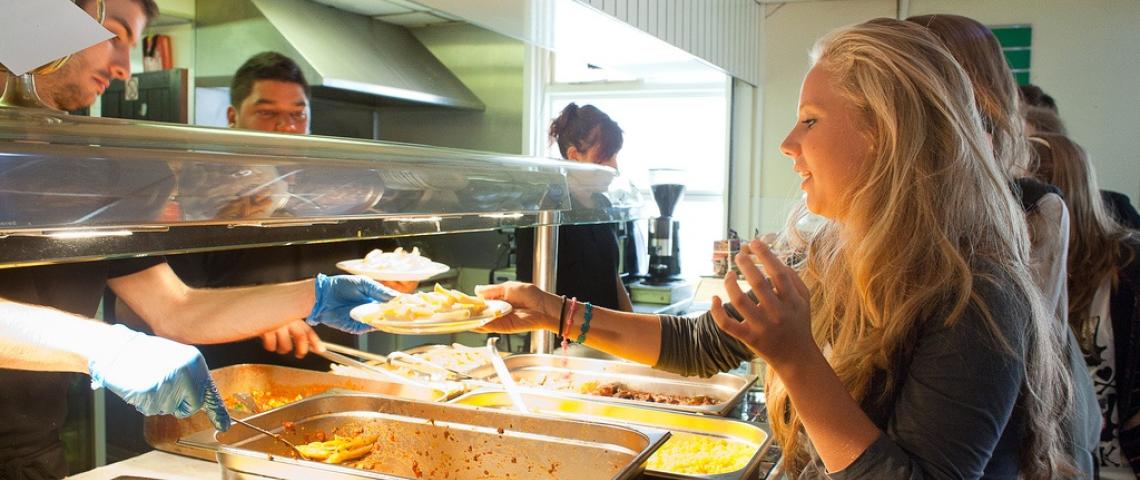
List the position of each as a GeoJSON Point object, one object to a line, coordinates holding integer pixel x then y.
{"type": "Point", "coordinates": [663, 283]}
{"type": "Point", "coordinates": [664, 240]}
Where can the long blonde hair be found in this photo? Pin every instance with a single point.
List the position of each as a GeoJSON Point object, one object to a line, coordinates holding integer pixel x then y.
{"type": "Point", "coordinates": [932, 176]}
{"type": "Point", "coordinates": [1097, 243]}
{"type": "Point", "coordinates": [978, 51]}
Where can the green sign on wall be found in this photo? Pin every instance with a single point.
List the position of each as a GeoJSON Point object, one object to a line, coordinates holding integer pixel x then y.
{"type": "Point", "coordinates": [1017, 44]}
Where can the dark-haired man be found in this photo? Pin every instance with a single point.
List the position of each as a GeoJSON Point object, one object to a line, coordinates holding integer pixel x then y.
{"type": "Point", "coordinates": [46, 331]}
{"type": "Point", "coordinates": [269, 93]}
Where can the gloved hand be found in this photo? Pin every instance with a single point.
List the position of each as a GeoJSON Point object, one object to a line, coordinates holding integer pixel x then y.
{"type": "Point", "coordinates": [338, 294]}
{"type": "Point", "coordinates": [156, 375]}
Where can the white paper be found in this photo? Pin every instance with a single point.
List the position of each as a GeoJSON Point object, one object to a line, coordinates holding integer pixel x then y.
{"type": "Point", "coordinates": [36, 32]}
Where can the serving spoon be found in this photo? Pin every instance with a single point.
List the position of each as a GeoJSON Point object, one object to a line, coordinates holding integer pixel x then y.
{"type": "Point", "coordinates": [275, 436]}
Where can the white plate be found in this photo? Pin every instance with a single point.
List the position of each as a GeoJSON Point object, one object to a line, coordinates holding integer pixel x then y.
{"type": "Point", "coordinates": [358, 267]}
{"type": "Point", "coordinates": [430, 325]}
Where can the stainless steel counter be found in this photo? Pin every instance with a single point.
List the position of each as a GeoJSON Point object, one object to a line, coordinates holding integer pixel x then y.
{"type": "Point", "coordinates": [166, 466]}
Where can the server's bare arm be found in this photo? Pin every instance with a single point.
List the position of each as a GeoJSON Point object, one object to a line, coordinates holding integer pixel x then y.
{"type": "Point", "coordinates": [44, 339]}
{"type": "Point", "coordinates": [194, 315]}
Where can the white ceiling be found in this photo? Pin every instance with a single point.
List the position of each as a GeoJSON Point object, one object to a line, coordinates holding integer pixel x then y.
{"type": "Point", "coordinates": [397, 12]}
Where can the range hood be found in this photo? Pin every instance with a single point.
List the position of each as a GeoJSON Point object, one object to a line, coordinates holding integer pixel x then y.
{"type": "Point", "coordinates": [343, 55]}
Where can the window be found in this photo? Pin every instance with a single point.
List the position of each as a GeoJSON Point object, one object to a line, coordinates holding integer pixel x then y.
{"type": "Point", "coordinates": [684, 127]}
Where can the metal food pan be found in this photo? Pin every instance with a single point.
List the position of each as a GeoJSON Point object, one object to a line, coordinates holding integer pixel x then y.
{"type": "Point", "coordinates": [162, 432]}
{"type": "Point", "coordinates": [589, 410]}
{"type": "Point", "coordinates": [432, 440]}
{"type": "Point", "coordinates": [533, 369]}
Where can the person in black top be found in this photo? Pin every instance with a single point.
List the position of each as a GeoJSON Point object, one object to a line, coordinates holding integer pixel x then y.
{"type": "Point", "coordinates": [47, 335]}
{"type": "Point", "coordinates": [269, 93]}
{"type": "Point", "coordinates": [588, 255]}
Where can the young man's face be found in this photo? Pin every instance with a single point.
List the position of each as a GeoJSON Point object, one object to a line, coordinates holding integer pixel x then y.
{"type": "Point", "coordinates": [272, 106]}
{"type": "Point", "coordinates": [88, 73]}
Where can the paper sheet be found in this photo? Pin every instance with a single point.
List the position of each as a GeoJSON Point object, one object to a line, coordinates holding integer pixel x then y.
{"type": "Point", "coordinates": [33, 33]}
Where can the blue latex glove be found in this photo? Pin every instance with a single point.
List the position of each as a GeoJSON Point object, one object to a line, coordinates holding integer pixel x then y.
{"type": "Point", "coordinates": [338, 294]}
{"type": "Point", "coordinates": [156, 375]}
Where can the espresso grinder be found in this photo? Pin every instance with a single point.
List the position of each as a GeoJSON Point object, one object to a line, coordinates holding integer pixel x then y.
{"type": "Point", "coordinates": [663, 283]}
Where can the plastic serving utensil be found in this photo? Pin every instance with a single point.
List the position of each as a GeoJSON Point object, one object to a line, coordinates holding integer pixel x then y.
{"type": "Point", "coordinates": [505, 378]}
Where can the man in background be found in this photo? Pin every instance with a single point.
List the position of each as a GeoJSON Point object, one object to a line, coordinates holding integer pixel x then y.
{"type": "Point", "coordinates": [269, 93]}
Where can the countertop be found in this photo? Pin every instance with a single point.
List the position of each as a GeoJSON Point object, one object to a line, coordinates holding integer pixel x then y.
{"type": "Point", "coordinates": [157, 465]}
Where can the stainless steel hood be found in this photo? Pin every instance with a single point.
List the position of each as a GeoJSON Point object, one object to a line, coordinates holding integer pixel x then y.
{"type": "Point", "coordinates": [344, 55]}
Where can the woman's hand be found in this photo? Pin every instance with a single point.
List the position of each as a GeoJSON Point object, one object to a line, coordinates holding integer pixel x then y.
{"type": "Point", "coordinates": [534, 309]}
{"type": "Point", "coordinates": [777, 326]}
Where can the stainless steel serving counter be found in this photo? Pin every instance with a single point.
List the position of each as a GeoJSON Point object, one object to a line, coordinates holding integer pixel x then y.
{"type": "Point", "coordinates": [161, 465]}
{"type": "Point", "coordinates": [166, 466]}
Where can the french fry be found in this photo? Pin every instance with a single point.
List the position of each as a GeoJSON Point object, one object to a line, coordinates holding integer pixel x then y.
{"type": "Point", "coordinates": [439, 304]}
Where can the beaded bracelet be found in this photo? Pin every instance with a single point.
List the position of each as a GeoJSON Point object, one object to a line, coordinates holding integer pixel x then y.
{"type": "Point", "coordinates": [588, 314]}
{"type": "Point", "coordinates": [569, 322]}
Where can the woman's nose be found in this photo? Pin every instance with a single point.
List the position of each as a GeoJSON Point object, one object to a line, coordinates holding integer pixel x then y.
{"type": "Point", "coordinates": [790, 146]}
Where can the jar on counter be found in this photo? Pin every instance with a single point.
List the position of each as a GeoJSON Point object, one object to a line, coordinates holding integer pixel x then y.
{"type": "Point", "coordinates": [723, 253]}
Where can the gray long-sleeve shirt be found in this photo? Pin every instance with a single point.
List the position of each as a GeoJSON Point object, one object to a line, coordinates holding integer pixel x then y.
{"type": "Point", "coordinates": [953, 413]}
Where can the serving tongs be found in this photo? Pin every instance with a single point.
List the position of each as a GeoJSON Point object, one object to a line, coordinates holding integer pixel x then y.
{"type": "Point", "coordinates": [272, 435]}
{"type": "Point", "coordinates": [426, 366]}
{"type": "Point", "coordinates": [401, 359]}
{"type": "Point", "coordinates": [331, 355]}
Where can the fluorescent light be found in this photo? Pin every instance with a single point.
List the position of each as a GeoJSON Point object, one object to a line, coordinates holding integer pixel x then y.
{"type": "Point", "coordinates": [73, 234]}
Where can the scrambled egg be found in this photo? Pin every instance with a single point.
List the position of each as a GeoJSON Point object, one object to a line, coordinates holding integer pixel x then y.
{"type": "Point", "coordinates": [688, 453]}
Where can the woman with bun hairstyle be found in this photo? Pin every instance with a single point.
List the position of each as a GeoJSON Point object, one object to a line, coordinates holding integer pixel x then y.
{"type": "Point", "coordinates": [1104, 290]}
{"type": "Point", "coordinates": [588, 257]}
{"type": "Point", "coordinates": [908, 340]}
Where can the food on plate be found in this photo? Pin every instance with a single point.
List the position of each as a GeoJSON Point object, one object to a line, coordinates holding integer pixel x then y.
{"type": "Point", "coordinates": [688, 454]}
{"type": "Point", "coordinates": [270, 399]}
{"type": "Point", "coordinates": [438, 305]}
{"type": "Point", "coordinates": [397, 260]}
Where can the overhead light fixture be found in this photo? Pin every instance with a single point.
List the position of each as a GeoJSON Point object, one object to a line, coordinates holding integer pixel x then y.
{"type": "Point", "coordinates": [76, 234]}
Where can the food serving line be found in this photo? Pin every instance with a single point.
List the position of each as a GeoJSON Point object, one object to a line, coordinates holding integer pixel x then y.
{"type": "Point", "coordinates": [585, 418]}
{"type": "Point", "coordinates": [130, 169]}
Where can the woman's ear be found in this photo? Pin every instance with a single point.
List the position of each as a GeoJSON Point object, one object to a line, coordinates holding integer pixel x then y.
{"type": "Point", "coordinates": [572, 153]}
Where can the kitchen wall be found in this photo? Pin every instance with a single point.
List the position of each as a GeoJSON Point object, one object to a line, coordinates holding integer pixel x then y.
{"type": "Point", "coordinates": [1084, 54]}
{"type": "Point", "coordinates": [1087, 56]}
{"type": "Point", "coordinates": [491, 65]}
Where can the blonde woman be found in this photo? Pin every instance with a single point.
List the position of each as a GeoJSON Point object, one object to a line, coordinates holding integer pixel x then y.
{"type": "Point", "coordinates": [1104, 286]}
{"type": "Point", "coordinates": [910, 342]}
